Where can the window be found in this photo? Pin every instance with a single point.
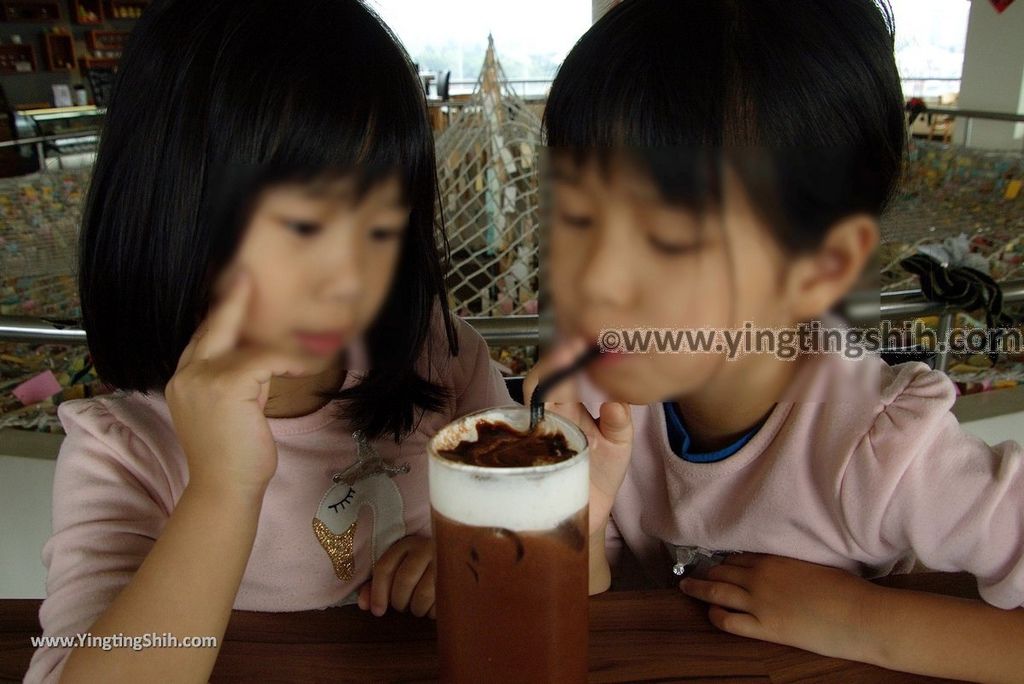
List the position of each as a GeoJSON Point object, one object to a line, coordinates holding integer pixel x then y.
{"type": "Point", "coordinates": [531, 37]}
{"type": "Point", "coordinates": [930, 38]}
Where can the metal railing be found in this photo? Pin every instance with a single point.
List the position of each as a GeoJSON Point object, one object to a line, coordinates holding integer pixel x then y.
{"type": "Point", "coordinates": [527, 88]}
{"type": "Point", "coordinates": [504, 331]}
{"type": "Point", "coordinates": [39, 141]}
{"type": "Point", "coordinates": [862, 309]}
{"type": "Point", "coordinates": [970, 115]}
{"type": "Point", "coordinates": [913, 86]}
{"type": "Point", "coordinates": [522, 87]}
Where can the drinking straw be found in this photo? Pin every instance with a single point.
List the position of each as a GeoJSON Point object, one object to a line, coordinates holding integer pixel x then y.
{"type": "Point", "coordinates": [545, 385]}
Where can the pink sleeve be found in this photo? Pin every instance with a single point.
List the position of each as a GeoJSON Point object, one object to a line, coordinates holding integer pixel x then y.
{"type": "Point", "coordinates": [477, 380]}
{"type": "Point", "coordinates": [106, 517]}
{"type": "Point", "coordinates": [918, 481]}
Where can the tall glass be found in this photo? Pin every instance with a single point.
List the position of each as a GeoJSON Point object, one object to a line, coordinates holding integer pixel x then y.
{"type": "Point", "coordinates": [512, 566]}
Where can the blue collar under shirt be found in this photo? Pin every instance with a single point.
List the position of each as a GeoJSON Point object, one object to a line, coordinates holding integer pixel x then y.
{"type": "Point", "coordinates": [679, 439]}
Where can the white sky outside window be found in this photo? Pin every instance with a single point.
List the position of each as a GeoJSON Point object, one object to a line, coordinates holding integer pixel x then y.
{"type": "Point", "coordinates": [533, 36]}
{"type": "Point", "coordinates": [930, 38]}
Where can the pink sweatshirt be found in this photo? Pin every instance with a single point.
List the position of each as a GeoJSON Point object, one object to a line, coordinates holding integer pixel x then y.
{"type": "Point", "coordinates": [120, 473]}
{"type": "Point", "coordinates": [864, 484]}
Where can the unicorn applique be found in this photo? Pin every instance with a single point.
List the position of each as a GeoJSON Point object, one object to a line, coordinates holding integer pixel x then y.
{"type": "Point", "coordinates": [367, 483]}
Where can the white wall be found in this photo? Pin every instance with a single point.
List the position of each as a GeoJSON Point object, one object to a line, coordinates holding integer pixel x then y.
{"type": "Point", "coordinates": [998, 429]}
{"type": "Point", "coordinates": [25, 496]}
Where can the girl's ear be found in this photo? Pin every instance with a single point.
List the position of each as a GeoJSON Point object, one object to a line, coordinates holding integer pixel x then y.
{"type": "Point", "coordinates": [819, 279]}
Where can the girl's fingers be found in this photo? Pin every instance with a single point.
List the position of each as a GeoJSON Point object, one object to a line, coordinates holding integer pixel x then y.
{"type": "Point", "coordinates": [423, 598]}
{"type": "Point", "coordinates": [224, 323]}
{"type": "Point", "coordinates": [409, 575]}
{"type": "Point", "coordinates": [576, 413]}
{"type": "Point", "coordinates": [609, 459]}
{"type": "Point", "coordinates": [403, 583]}
{"type": "Point", "coordinates": [559, 357]}
{"type": "Point", "coordinates": [746, 560]}
{"type": "Point", "coordinates": [260, 366]}
{"type": "Point", "coordinates": [733, 574]}
{"type": "Point", "coordinates": [188, 353]}
{"type": "Point", "coordinates": [364, 596]}
{"type": "Point", "coordinates": [740, 624]}
{"type": "Point", "coordinates": [264, 395]}
{"type": "Point", "coordinates": [244, 375]}
{"type": "Point", "coordinates": [616, 424]}
{"type": "Point", "coordinates": [383, 574]}
{"type": "Point", "coordinates": [718, 593]}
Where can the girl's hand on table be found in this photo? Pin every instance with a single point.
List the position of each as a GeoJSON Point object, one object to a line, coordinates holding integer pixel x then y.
{"type": "Point", "coordinates": [403, 578]}
{"type": "Point", "coordinates": [786, 601]}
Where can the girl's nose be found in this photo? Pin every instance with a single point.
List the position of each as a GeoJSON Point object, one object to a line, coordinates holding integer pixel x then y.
{"type": "Point", "coordinates": [606, 278]}
{"type": "Point", "coordinates": [340, 275]}
{"type": "Point", "coordinates": [345, 285]}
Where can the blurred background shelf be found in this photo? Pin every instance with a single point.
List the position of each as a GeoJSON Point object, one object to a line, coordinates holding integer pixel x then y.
{"type": "Point", "coordinates": [30, 11]}
{"type": "Point", "coordinates": [60, 51]}
{"type": "Point", "coordinates": [17, 59]}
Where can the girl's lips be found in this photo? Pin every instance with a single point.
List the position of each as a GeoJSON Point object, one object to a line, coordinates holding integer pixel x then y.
{"type": "Point", "coordinates": [321, 344]}
{"type": "Point", "coordinates": [609, 357]}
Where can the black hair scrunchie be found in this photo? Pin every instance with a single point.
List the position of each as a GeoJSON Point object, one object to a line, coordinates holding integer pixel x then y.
{"type": "Point", "coordinates": [962, 287]}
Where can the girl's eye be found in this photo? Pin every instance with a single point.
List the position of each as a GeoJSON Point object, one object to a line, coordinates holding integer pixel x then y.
{"type": "Point", "coordinates": [303, 228]}
{"type": "Point", "coordinates": [380, 234]}
{"type": "Point", "coordinates": [576, 221]}
{"type": "Point", "coordinates": [671, 248]}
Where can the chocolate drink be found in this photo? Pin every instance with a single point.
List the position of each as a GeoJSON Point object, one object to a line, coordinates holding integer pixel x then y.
{"type": "Point", "coordinates": [514, 604]}
{"type": "Point", "coordinates": [499, 445]}
{"type": "Point", "coordinates": [509, 514]}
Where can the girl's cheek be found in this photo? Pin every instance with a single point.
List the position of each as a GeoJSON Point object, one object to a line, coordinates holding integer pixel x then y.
{"type": "Point", "coordinates": [564, 298]}
{"type": "Point", "coordinates": [566, 262]}
{"type": "Point", "coordinates": [379, 280]}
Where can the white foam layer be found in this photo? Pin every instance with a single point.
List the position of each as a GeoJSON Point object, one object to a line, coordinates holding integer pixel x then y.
{"type": "Point", "coordinates": [519, 499]}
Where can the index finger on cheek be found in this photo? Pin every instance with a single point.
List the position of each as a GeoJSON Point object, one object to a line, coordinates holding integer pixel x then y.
{"type": "Point", "coordinates": [224, 324]}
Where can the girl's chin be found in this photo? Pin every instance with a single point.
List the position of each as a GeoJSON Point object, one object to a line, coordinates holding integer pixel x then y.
{"type": "Point", "coordinates": [620, 380]}
{"type": "Point", "coordinates": [635, 380]}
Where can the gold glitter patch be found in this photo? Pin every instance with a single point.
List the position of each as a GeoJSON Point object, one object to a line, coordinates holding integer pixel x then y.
{"type": "Point", "coordinates": [338, 548]}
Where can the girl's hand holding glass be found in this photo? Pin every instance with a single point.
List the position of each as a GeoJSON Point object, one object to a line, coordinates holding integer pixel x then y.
{"type": "Point", "coordinates": [217, 396]}
{"type": "Point", "coordinates": [610, 437]}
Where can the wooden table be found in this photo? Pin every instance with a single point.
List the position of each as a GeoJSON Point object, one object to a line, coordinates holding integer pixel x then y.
{"type": "Point", "coordinates": [634, 636]}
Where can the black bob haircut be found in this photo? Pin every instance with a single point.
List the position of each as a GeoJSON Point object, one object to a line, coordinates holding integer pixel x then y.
{"type": "Point", "coordinates": [801, 98]}
{"type": "Point", "coordinates": [216, 100]}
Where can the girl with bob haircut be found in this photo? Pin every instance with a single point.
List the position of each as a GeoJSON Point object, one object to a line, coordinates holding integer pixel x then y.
{"type": "Point", "coordinates": [261, 282]}
{"type": "Point", "coordinates": [718, 162]}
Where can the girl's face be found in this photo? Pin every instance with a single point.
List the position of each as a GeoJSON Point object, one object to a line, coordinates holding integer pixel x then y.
{"type": "Point", "coordinates": [321, 262]}
{"type": "Point", "coordinates": [623, 258]}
